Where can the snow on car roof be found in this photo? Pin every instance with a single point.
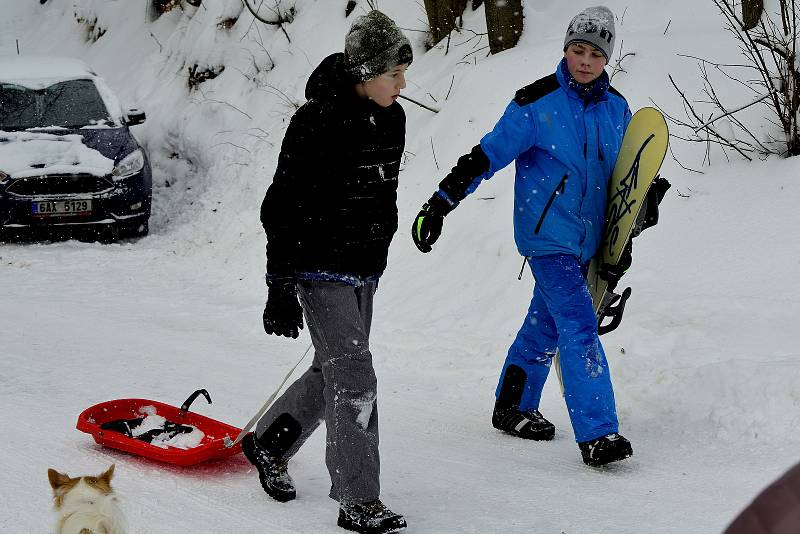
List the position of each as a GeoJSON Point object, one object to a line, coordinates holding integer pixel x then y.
{"type": "Point", "coordinates": [37, 72]}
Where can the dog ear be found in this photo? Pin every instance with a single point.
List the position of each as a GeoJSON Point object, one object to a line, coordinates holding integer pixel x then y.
{"type": "Point", "coordinates": [108, 474]}
{"type": "Point", "coordinates": [57, 479]}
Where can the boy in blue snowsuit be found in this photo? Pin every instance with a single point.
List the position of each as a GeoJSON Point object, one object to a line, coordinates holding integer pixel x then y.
{"type": "Point", "coordinates": [564, 131]}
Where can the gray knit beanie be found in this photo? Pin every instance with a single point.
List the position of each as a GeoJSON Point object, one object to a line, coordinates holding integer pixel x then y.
{"type": "Point", "coordinates": [595, 26]}
{"type": "Point", "coordinates": [374, 45]}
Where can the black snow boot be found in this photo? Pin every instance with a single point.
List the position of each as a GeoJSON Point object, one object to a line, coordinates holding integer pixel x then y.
{"type": "Point", "coordinates": [370, 518]}
{"type": "Point", "coordinates": [527, 425]}
{"type": "Point", "coordinates": [507, 417]}
{"type": "Point", "coordinates": [604, 450]}
{"type": "Point", "coordinates": [272, 472]}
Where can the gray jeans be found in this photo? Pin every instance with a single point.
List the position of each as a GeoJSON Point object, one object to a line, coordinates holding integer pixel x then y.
{"type": "Point", "coordinates": [340, 388]}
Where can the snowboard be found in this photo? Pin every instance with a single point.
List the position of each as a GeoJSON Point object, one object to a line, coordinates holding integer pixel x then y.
{"type": "Point", "coordinates": [640, 156]}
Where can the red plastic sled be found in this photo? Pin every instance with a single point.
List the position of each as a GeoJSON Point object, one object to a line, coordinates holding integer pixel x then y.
{"type": "Point", "coordinates": [211, 446]}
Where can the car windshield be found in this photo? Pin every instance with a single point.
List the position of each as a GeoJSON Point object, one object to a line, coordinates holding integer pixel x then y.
{"type": "Point", "coordinates": [68, 104]}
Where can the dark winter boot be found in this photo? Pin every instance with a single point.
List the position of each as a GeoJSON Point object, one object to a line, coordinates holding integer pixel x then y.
{"type": "Point", "coordinates": [526, 425]}
{"type": "Point", "coordinates": [370, 518]}
{"type": "Point", "coordinates": [507, 417]}
{"type": "Point", "coordinates": [272, 471]}
{"type": "Point", "coordinates": [604, 450]}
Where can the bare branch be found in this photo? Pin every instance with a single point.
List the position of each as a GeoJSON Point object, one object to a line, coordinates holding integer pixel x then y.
{"type": "Point", "coordinates": [768, 48]}
{"type": "Point", "coordinates": [676, 160]}
{"type": "Point", "coordinates": [452, 79]}
{"type": "Point", "coordinates": [710, 132]}
{"type": "Point", "coordinates": [420, 104]}
{"type": "Point", "coordinates": [434, 155]}
{"type": "Point", "coordinates": [731, 112]}
{"type": "Point", "coordinates": [282, 18]}
{"type": "Point", "coordinates": [213, 101]}
{"type": "Point", "coordinates": [617, 68]}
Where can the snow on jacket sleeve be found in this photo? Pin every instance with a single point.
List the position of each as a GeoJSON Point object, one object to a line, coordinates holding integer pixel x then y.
{"type": "Point", "coordinates": [283, 204]}
{"type": "Point", "coordinates": [513, 134]}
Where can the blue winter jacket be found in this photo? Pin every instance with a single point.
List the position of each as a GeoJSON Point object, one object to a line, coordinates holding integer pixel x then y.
{"type": "Point", "coordinates": [565, 148]}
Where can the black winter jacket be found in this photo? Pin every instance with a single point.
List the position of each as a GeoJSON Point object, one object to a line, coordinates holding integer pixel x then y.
{"type": "Point", "coordinates": [331, 210]}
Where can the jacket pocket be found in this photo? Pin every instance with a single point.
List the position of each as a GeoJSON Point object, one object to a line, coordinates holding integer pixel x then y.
{"type": "Point", "coordinates": [562, 185]}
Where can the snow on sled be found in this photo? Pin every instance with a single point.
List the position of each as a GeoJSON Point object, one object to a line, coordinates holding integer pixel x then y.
{"type": "Point", "coordinates": [159, 431]}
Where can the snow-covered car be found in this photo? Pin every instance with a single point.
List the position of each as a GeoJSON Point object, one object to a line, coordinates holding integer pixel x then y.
{"type": "Point", "coordinates": [67, 156]}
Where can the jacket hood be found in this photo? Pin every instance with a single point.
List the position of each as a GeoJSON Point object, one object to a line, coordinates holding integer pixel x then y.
{"type": "Point", "coordinates": [329, 80]}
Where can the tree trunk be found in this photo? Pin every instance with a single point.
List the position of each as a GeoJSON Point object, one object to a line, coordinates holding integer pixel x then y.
{"type": "Point", "coordinates": [751, 13]}
{"type": "Point", "coordinates": [504, 22]}
{"type": "Point", "coordinates": [442, 15]}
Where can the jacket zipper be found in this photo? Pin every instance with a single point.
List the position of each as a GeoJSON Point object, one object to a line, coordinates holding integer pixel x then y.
{"type": "Point", "coordinates": [557, 191]}
{"type": "Point", "coordinates": [599, 148]}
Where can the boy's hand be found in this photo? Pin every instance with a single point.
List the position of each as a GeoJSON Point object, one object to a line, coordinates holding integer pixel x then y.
{"type": "Point", "coordinates": [283, 315]}
{"type": "Point", "coordinates": [612, 273]}
{"type": "Point", "coordinates": [427, 225]}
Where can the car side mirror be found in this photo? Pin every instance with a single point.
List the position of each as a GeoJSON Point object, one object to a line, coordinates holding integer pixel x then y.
{"type": "Point", "coordinates": [134, 116]}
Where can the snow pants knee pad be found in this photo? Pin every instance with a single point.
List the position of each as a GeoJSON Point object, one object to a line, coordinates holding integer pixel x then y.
{"type": "Point", "coordinates": [280, 435]}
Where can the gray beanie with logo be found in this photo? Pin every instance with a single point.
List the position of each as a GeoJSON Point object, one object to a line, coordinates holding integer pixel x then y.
{"type": "Point", "coordinates": [595, 26]}
{"type": "Point", "coordinates": [374, 45]}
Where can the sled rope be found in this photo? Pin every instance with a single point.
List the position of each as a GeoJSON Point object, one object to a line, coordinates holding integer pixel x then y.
{"type": "Point", "coordinates": [263, 410]}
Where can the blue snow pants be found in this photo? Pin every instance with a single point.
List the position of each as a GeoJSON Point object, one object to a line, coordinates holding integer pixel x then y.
{"type": "Point", "coordinates": [561, 317]}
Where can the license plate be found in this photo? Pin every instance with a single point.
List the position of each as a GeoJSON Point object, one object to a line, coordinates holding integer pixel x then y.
{"type": "Point", "coordinates": [61, 208]}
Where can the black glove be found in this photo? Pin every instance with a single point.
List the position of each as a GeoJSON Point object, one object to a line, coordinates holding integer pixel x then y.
{"type": "Point", "coordinates": [427, 226]}
{"type": "Point", "coordinates": [283, 315]}
{"type": "Point", "coordinates": [648, 215]}
{"type": "Point", "coordinates": [612, 273]}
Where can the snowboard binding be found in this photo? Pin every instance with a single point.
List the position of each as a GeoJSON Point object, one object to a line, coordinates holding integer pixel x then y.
{"type": "Point", "coordinates": [613, 306]}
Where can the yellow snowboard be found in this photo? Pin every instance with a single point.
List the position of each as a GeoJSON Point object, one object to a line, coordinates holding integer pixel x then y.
{"type": "Point", "coordinates": [640, 156]}
{"type": "Point", "coordinates": [643, 149]}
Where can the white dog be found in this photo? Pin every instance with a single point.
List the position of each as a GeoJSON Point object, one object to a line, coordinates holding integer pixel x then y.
{"type": "Point", "coordinates": [86, 505]}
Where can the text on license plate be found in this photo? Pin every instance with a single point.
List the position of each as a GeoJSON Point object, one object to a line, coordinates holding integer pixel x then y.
{"type": "Point", "coordinates": [62, 208]}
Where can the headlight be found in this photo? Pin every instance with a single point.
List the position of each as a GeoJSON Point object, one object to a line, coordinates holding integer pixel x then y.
{"type": "Point", "coordinates": [130, 165]}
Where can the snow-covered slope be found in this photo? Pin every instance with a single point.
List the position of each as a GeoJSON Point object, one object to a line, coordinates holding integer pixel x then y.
{"type": "Point", "coordinates": [705, 364]}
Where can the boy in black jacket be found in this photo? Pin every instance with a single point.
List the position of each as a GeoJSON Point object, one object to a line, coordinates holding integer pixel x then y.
{"type": "Point", "coordinates": [330, 215]}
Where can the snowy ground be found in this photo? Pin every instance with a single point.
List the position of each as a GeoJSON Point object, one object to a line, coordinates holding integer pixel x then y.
{"type": "Point", "coordinates": [705, 364]}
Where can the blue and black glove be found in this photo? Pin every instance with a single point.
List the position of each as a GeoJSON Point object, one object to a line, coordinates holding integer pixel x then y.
{"type": "Point", "coordinates": [427, 226]}
{"type": "Point", "coordinates": [612, 273]}
{"type": "Point", "coordinates": [283, 315]}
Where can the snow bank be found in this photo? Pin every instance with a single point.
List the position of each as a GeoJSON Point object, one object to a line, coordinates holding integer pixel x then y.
{"type": "Point", "coordinates": [704, 365]}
